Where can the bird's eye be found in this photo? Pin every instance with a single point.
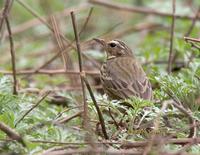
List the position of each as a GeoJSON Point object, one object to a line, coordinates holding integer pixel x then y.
{"type": "Point", "coordinates": [112, 44]}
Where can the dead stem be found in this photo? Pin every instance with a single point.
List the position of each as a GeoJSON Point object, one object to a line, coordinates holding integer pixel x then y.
{"type": "Point", "coordinates": [101, 119]}
{"type": "Point", "coordinates": [12, 53]}
{"type": "Point", "coordinates": [85, 106]}
{"type": "Point", "coordinates": [11, 133]}
{"type": "Point", "coordinates": [141, 10]}
{"type": "Point", "coordinates": [33, 107]}
{"type": "Point", "coordinates": [170, 59]}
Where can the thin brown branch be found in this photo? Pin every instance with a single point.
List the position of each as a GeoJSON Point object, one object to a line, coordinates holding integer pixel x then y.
{"type": "Point", "coordinates": [130, 145]}
{"type": "Point", "coordinates": [72, 143]}
{"type": "Point", "coordinates": [192, 39]}
{"type": "Point", "coordinates": [136, 28]}
{"type": "Point", "coordinates": [67, 110]}
{"type": "Point", "coordinates": [170, 59]}
{"type": "Point", "coordinates": [67, 88]}
{"type": "Point", "coordinates": [184, 148]}
{"type": "Point", "coordinates": [5, 12]}
{"type": "Point", "coordinates": [115, 122]}
{"type": "Point", "coordinates": [77, 40]}
{"type": "Point", "coordinates": [91, 150]}
{"type": "Point", "coordinates": [193, 23]}
{"type": "Point", "coordinates": [176, 141]}
{"type": "Point", "coordinates": [12, 53]}
{"type": "Point", "coordinates": [33, 107]}
{"type": "Point", "coordinates": [141, 10]}
{"type": "Point", "coordinates": [49, 72]}
{"type": "Point", "coordinates": [101, 119]}
{"type": "Point", "coordinates": [85, 106]}
{"type": "Point", "coordinates": [66, 119]}
{"type": "Point", "coordinates": [86, 21]}
{"type": "Point", "coordinates": [124, 144]}
{"type": "Point", "coordinates": [11, 133]}
{"type": "Point", "coordinates": [59, 41]}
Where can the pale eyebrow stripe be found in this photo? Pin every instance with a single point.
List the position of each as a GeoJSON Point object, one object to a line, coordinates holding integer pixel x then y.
{"type": "Point", "coordinates": [113, 41]}
{"type": "Point", "coordinates": [117, 42]}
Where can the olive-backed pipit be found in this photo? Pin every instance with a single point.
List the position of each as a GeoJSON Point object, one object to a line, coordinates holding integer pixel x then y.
{"type": "Point", "coordinates": [122, 76]}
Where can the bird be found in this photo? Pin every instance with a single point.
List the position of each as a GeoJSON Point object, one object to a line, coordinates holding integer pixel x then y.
{"type": "Point", "coordinates": [121, 75]}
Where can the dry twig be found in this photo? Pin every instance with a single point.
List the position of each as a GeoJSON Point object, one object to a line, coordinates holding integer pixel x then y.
{"type": "Point", "coordinates": [142, 10]}
{"type": "Point", "coordinates": [33, 107]}
{"type": "Point", "coordinates": [12, 53]}
{"type": "Point", "coordinates": [90, 150]}
{"type": "Point", "coordinates": [170, 59]}
{"type": "Point", "coordinates": [61, 46]}
{"type": "Point", "coordinates": [125, 145]}
{"type": "Point", "coordinates": [49, 72]}
{"type": "Point", "coordinates": [177, 141]}
{"type": "Point", "coordinates": [101, 119]}
{"type": "Point", "coordinates": [5, 12]}
{"type": "Point", "coordinates": [85, 118]}
{"type": "Point", "coordinates": [11, 133]}
{"type": "Point", "coordinates": [86, 22]}
{"type": "Point", "coordinates": [66, 119]}
{"type": "Point", "coordinates": [193, 23]}
{"type": "Point", "coordinates": [192, 41]}
{"type": "Point", "coordinates": [66, 88]}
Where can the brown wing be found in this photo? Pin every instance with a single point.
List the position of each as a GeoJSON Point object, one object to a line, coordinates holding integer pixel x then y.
{"type": "Point", "coordinates": [124, 77]}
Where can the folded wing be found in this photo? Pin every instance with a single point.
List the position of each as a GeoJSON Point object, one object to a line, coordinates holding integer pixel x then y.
{"type": "Point", "coordinates": [125, 78]}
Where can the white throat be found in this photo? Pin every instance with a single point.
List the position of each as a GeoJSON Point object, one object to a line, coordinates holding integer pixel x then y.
{"type": "Point", "coordinates": [111, 57]}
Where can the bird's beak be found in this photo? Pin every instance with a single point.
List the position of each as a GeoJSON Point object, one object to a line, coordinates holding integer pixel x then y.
{"type": "Point", "coordinates": [100, 41]}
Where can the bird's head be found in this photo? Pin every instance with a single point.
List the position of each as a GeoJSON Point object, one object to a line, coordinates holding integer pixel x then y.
{"type": "Point", "coordinates": [115, 48]}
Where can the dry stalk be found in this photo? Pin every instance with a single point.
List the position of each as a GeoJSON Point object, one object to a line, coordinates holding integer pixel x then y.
{"type": "Point", "coordinates": [170, 59]}
{"type": "Point", "coordinates": [12, 53]}
{"type": "Point", "coordinates": [85, 106]}
{"type": "Point", "coordinates": [134, 9]}
{"type": "Point", "coordinates": [11, 133]}
{"type": "Point", "coordinates": [33, 107]}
